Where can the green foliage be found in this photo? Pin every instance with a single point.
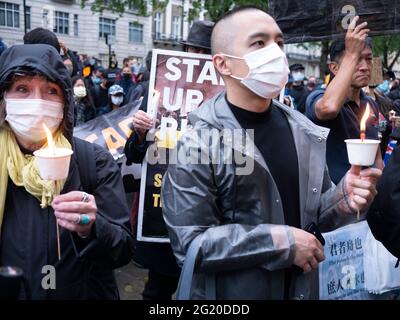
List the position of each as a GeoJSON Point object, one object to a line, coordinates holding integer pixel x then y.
{"type": "Point", "coordinates": [387, 47]}
{"type": "Point", "coordinates": [120, 6]}
{"type": "Point", "coordinates": [214, 8]}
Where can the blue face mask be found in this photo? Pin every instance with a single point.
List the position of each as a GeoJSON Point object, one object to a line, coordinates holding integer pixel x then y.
{"type": "Point", "coordinates": [384, 87]}
{"type": "Point", "coordinates": [298, 76]}
{"type": "Point", "coordinates": [96, 80]}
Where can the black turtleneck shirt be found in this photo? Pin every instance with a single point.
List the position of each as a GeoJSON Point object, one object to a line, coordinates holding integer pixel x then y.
{"type": "Point", "coordinates": [273, 137]}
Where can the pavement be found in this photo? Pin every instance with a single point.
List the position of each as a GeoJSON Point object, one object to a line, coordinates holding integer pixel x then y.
{"type": "Point", "coordinates": [131, 281]}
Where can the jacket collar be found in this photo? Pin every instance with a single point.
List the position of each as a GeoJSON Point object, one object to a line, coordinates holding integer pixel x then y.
{"type": "Point", "coordinates": [310, 141]}
{"type": "Point", "coordinates": [217, 114]}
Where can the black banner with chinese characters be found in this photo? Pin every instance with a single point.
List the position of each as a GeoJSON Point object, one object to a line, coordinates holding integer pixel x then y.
{"type": "Point", "coordinates": [316, 20]}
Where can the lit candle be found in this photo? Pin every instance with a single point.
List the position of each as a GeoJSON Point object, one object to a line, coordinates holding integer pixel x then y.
{"type": "Point", "coordinates": [154, 106]}
{"type": "Point", "coordinates": [363, 123]}
{"type": "Point", "coordinates": [53, 165]}
{"type": "Point", "coordinates": [50, 142]}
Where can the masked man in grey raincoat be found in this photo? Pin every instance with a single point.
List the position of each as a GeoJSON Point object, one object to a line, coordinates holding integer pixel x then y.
{"type": "Point", "coordinates": [250, 212]}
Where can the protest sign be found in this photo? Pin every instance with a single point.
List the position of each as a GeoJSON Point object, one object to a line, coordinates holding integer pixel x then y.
{"type": "Point", "coordinates": [179, 83]}
{"type": "Point", "coordinates": [111, 131]}
{"type": "Point", "coordinates": [316, 20]}
{"type": "Point", "coordinates": [344, 273]}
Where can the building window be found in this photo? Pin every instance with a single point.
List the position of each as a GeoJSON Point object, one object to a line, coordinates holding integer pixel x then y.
{"type": "Point", "coordinates": [28, 18]}
{"type": "Point", "coordinates": [135, 32]}
{"type": "Point", "coordinates": [158, 17]}
{"type": "Point", "coordinates": [61, 22]}
{"type": "Point", "coordinates": [9, 15]}
{"type": "Point", "coordinates": [176, 27]}
{"type": "Point", "coordinates": [76, 30]}
{"type": "Point", "coordinates": [106, 26]}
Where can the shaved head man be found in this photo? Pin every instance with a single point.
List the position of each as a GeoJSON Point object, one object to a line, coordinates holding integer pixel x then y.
{"type": "Point", "coordinates": [253, 230]}
{"type": "Point", "coordinates": [237, 34]}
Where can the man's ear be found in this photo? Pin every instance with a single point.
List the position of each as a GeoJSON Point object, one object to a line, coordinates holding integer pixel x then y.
{"type": "Point", "coordinates": [220, 64]}
{"type": "Point", "coordinates": [334, 67]}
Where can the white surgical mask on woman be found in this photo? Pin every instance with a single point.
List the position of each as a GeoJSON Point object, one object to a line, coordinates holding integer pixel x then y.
{"type": "Point", "coordinates": [80, 91]}
{"type": "Point", "coordinates": [26, 116]}
{"type": "Point", "coordinates": [268, 71]}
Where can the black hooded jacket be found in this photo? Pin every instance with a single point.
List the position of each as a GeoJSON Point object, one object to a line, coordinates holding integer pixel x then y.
{"type": "Point", "coordinates": [384, 214]}
{"type": "Point", "coordinates": [28, 234]}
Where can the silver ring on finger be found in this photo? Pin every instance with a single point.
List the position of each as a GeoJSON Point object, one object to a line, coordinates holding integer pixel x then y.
{"type": "Point", "coordinates": [78, 219]}
{"type": "Point", "coordinates": [85, 197]}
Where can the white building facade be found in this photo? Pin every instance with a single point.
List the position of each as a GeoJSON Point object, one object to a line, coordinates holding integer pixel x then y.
{"type": "Point", "coordinates": [133, 36]}
{"type": "Point", "coordinates": [309, 58]}
{"type": "Point", "coordinates": [81, 30]}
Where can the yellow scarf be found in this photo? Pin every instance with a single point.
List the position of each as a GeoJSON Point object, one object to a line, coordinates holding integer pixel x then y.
{"type": "Point", "coordinates": [23, 171]}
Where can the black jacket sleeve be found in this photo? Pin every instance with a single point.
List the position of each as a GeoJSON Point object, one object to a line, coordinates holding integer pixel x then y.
{"type": "Point", "coordinates": [384, 214]}
{"type": "Point", "coordinates": [111, 242]}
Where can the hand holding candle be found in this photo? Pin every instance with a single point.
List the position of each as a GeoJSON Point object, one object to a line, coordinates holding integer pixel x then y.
{"type": "Point", "coordinates": [360, 184]}
{"type": "Point", "coordinates": [53, 166]}
{"type": "Point", "coordinates": [360, 187]}
{"type": "Point", "coordinates": [76, 212]}
{"type": "Point", "coordinates": [53, 162]}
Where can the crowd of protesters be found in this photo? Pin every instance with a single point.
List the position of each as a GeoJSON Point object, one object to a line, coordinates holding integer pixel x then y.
{"type": "Point", "coordinates": [248, 230]}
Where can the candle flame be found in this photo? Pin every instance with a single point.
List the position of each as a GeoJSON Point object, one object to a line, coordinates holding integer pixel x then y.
{"type": "Point", "coordinates": [50, 141]}
{"type": "Point", "coordinates": [364, 119]}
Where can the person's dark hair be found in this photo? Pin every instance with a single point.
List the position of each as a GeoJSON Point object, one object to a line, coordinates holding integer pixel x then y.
{"type": "Point", "coordinates": [44, 36]}
{"type": "Point", "coordinates": [390, 74]}
{"type": "Point", "coordinates": [88, 100]}
{"type": "Point", "coordinates": [339, 46]}
{"type": "Point", "coordinates": [226, 16]}
{"type": "Point", "coordinates": [66, 58]}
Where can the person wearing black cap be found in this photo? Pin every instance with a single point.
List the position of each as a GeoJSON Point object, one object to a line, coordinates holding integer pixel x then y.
{"type": "Point", "coordinates": [199, 38]}
{"type": "Point", "coordinates": [298, 91]}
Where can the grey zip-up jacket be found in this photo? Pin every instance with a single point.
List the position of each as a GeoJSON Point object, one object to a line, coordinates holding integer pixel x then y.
{"type": "Point", "coordinates": [245, 241]}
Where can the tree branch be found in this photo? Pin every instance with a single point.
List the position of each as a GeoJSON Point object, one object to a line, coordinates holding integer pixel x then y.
{"type": "Point", "coordinates": [394, 60]}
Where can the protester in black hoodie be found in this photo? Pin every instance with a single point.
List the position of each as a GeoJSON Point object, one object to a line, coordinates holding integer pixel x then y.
{"type": "Point", "coordinates": [91, 210]}
{"type": "Point", "coordinates": [384, 214]}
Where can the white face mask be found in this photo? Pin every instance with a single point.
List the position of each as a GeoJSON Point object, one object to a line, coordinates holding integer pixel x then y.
{"type": "Point", "coordinates": [26, 117]}
{"type": "Point", "coordinates": [117, 100]}
{"type": "Point", "coordinates": [298, 76]}
{"type": "Point", "coordinates": [268, 71]}
{"type": "Point", "coordinates": [80, 92]}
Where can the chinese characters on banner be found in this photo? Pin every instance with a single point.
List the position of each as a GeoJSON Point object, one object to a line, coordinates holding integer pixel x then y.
{"type": "Point", "coordinates": [342, 275]}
